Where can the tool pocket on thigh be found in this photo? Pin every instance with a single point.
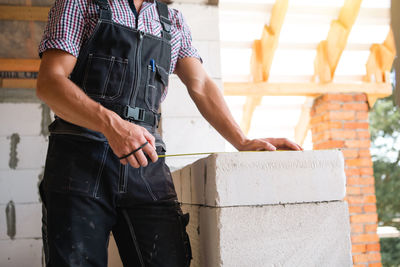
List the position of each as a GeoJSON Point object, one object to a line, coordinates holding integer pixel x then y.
{"type": "Point", "coordinates": [156, 82]}
{"type": "Point", "coordinates": [187, 250]}
{"type": "Point", "coordinates": [104, 76]}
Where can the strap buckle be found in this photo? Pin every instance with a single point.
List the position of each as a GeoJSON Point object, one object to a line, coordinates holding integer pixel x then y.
{"type": "Point", "coordinates": [137, 114]}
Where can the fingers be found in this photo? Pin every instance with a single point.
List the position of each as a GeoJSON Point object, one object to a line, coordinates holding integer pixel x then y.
{"type": "Point", "coordinates": [150, 138]}
{"type": "Point", "coordinates": [291, 145]}
{"type": "Point", "coordinates": [151, 152]}
{"type": "Point", "coordinates": [269, 147]}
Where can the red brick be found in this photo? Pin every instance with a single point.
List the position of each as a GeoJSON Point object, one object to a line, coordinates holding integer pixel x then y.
{"type": "Point", "coordinates": [373, 247]}
{"type": "Point", "coordinates": [359, 162]}
{"type": "Point", "coordinates": [364, 238]}
{"type": "Point", "coordinates": [360, 181]}
{"type": "Point", "coordinates": [355, 106]}
{"type": "Point", "coordinates": [362, 116]}
{"type": "Point", "coordinates": [367, 171]}
{"type": "Point", "coordinates": [355, 199]}
{"type": "Point", "coordinates": [316, 119]}
{"type": "Point", "coordinates": [371, 228]}
{"type": "Point", "coordinates": [324, 106]}
{"type": "Point", "coordinates": [360, 97]}
{"type": "Point", "coordinates": [356, 125]}
{"type": "Point", "coordinates": [368, 190]}
{"type": "Point", "coordinates": [337, 97]}
{"type": "Point", "coordinates": [353, 190]}
{"type": "Point", "coordinates": [352, 172]}
{"type": "Point", "coordinates": [360, 258]}
{"type": "Point", "coordinates": [360, 248]}
{"type": "Point", "coordinates": [340, 115]}
{"type": "Point", "coordinates": [357, 228]}
{"type": "Point", "coordinates": [364, 153]}
{"type": "Point", "coordinates": [375, 264]}
{"type": "Point", "coordinates": [360, 265]}
{"type": "Point", "coordinates": [370, 208]}
{"type": "Point", "coordinates": [343, 134]}
{"type": "Point", "coordinates": [330, 144]}
{"type": "Point", "coordinates": [374, 257]}
{"type": "Point", "coordinates": [355, 209]}
{"type": "Point", "coordinates": [363, 135]}
{"type": "Point", "coordinates": [361, 218]}
{"type": "Point", "coordinates": [358, 143]}
{"type": "Point", "coordinates": [370, 199]}
{"type": "Point", "coordinates": [350, 153]}
{"type": "Point", "coordinates": [327, 126]}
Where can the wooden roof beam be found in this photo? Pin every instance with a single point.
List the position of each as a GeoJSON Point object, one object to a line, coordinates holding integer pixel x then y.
{"type": "Point", "coordinates": [380, 63]}
{"type": "Point", "coordinates": [27, 13]}
{"type": "Point", "coordinates": [330, 50]}
{"type": "Point", "coordinates": [263, 54]}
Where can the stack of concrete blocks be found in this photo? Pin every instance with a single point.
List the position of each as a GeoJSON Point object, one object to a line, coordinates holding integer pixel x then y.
{"type": "Point", "coordinates": [183, 128]}
{"type": "Point", "coordinates": [23, 144]}
{"type": "Point", "coordinates": [267, 209]}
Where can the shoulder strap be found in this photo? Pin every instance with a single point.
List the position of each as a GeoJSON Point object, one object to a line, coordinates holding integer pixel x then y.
{"type": "Point", "coordinates": [105, 10]}
{"type": "Point", "coordinates": [162, 9]}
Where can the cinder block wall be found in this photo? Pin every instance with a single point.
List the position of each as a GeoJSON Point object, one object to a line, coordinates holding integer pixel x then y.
{"type": "Point", "coordinates": [183, 128]}
{"type": "Point", "coordinates": [23, 143]}
{"type": "Point", "coordinates": [267, 209]}
{"type": "Point", "coordinates": [341, 121]}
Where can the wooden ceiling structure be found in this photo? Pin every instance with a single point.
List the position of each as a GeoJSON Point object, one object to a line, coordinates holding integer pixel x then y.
{"type": "Point", "coordinates": [376, 83]}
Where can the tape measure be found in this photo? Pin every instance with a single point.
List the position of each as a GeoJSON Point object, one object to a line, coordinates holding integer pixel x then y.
{"type": "Point", "coordinates": [203, 153]}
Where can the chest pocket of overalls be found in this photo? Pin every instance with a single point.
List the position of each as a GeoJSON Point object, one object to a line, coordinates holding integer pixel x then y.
{"type": "Point", "coordinates": [157, 80]}
{"type": "Point", "coordinates": [104, 76]}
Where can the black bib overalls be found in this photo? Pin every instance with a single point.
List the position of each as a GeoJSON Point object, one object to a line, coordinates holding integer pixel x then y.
{"type": "Point", "coordinates": [86, 191]}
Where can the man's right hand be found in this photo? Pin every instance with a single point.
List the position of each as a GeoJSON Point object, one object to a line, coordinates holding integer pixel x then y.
{"type": "Point", "coordinates": [124, 137]}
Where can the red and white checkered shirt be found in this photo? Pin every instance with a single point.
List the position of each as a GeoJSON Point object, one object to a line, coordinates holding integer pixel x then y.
{"type": "Point", "coordinates": [71, 22]}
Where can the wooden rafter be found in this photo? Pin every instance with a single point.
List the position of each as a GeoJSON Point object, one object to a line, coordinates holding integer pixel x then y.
{"type": "Point", "coordinates": [330, 50]}
{"type": "Point", "coordinates": [27, 13]}
{"type": "Point", "coordinates": [13, 64]}
{"type": "Point", "coordinates": [303, 125]}
{"type": "Point", "coordinates": [380, 63]}
{"type": "Point", "coordinates": [304, 89]}
{"type": "Point", "coordinates": [263, 54]}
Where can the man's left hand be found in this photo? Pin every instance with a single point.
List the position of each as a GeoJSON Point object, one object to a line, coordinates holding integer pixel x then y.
{"type": "Point", "coordinates": [268, 144]}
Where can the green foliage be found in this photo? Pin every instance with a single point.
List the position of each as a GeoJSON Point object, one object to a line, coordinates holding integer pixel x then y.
{"type": "Point", "coordinates": [390, 252]}
{"type": "Point", "coordinates": [385, 134]}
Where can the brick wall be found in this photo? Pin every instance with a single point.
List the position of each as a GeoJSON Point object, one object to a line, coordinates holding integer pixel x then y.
{"type": "Point", "coordinates": [341, 121]}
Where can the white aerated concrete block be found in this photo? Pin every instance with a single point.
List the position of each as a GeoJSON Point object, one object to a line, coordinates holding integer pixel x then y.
{"type": "Point", "coordinates": [21, 186]}
{"type": "Point", "coordinates": [24, 118]}
{"type": "Point", "coordinates": [32, 152]}
{"type": "Point", "coordinates": [312, 234]}
{"type": "Point", "coordinates": [261, 178]}
{"type": "Point", "coordinates": [176, 178]}
{"type": "Point", "coordinates": [186, 186]}
{"type": "Point", "coordinates": [4, 152]}
{"type": "Point", "coordinates": [28, 221]}
{"type": "Point", "coordinates": [210, 54]}
{"type": "Point", "coordinates": [203, 20]}
{"type": "Point", "coordinates": [21, 252]}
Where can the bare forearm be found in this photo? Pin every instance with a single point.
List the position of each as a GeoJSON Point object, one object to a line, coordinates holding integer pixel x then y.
{"type": "Point", "coordinates": [69, 102]}
{"type": "Point", "coordinates": [211, 104]}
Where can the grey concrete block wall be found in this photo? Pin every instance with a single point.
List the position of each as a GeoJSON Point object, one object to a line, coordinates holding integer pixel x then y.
{"type": "Point", "coordinates": [267, 209]}
{"type": "Point", "coordinates": [183, 128]}
{"type": "Point", "coordinates": [22, 155]}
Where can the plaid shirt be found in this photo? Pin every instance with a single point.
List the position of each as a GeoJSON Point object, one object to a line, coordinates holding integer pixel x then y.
{"type": "Point", "coordinates": [71, 22]}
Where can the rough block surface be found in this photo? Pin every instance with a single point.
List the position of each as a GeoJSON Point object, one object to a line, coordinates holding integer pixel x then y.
{"type": "Point", "coordinates": [312, 234]}
{"type": "Point", "coordinates": [261, 178]}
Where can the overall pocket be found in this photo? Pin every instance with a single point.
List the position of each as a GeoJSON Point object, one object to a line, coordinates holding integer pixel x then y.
{"type": "Point", "coordinates": [74, 164]}
{"type": "Point", "coordinates": [157, 80]}
{"type": "Point", "coordinates": [104, 76]}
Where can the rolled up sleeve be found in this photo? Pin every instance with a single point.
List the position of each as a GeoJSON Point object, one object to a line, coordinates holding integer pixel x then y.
{"type": "Point", "coordinates": [64, 29]}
